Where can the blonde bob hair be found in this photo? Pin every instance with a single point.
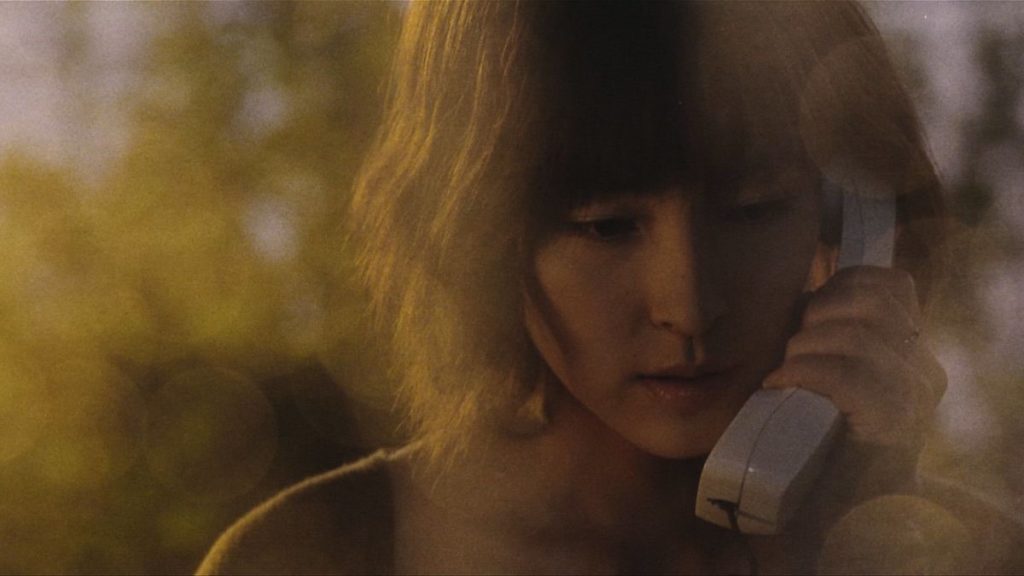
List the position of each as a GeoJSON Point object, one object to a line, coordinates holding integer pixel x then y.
{"type": "Point", "coordinates": [503, 115]}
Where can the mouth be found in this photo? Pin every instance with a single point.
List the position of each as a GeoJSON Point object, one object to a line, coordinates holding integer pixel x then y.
{"type": "Point", "coordinates": [686, 388]}
{"type": "Point", "coordinates": [684, 372]}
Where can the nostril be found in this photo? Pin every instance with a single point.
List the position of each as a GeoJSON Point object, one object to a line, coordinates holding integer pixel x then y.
{"type": "Point", "coordinates": [690, 352]}
{"type": "Point", "coordinates": [689, 323]}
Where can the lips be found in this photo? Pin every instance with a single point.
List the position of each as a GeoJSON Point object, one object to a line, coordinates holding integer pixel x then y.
{"type": "Point", "coordinates": [686, 389]}
{"type": "Point", "coordinates": [683, 372]}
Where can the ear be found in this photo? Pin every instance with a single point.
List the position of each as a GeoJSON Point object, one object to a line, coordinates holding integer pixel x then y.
{"type": "Point", "coordinates": [823, 266]}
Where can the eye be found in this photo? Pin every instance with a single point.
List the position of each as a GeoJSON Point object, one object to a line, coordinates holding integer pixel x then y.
{"type": "Point", "coordinates": [608, 229]}
{"type": "Point", "coordinates": [757, 211]}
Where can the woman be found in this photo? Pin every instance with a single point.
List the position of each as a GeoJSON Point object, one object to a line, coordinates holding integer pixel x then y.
{"type": "Point", "coordinates": [593, 230]}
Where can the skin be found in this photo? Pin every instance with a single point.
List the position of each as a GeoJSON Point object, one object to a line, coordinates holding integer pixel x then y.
{"type": "Point", "coordinates": [658, 312]}
{"type": "Point", "coordinates": [661, 312]}
{"type": "Point", "coordinates": [689, 279]}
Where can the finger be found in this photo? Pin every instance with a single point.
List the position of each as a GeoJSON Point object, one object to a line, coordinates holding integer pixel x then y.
{"type": "Point", "coordinates": [893, 418]}
{"type": "Point", "coordinates": [829, 375]}
{"type": "Point", "coordinates": [876, 306]}
{"type": "Point", "coordinates": [932, 371]}
{"type": "Point", "coordinates": [877, 384]}
{"type": "Point", "coordinates": [891, 349]}
{"type": "Point", "coordinates": [852, 337]}
{"type": "Point", "coordinates": [902, 359]}
{"type": "Point", "coordinates": [867, 279]}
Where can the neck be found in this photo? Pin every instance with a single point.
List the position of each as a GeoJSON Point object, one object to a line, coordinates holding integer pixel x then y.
{"type": "Point", "coordinates": [611, 484]}
{"type": "Point", "coordinates": [578, 490]}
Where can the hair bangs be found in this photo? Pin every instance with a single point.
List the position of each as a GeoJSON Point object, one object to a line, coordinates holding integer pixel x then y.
{"type": "Point", "coordinates": [502, 116]}
{"type": "Point", "coordinates": [613, 115]}
{"type": "Point", "coordinates": [747, 85]}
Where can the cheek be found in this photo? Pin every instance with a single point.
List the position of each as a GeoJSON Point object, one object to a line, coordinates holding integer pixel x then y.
{"type": "Point", "coordinates": [764, 284]}
{"type": "Point", "coordinates": [578, 314]}
{"type": "Point", "coordinates": [543, 336]}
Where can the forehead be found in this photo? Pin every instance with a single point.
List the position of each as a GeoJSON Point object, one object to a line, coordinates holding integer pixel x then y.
{"type": "Point", "coordinates": [638, 96]}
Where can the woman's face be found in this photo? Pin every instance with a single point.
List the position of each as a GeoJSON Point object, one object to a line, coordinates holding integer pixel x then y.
{"type": "Point", "coordinates": [661, 310]}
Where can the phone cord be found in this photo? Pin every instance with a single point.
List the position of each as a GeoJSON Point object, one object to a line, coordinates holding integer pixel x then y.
{"type": "Point", "coordinates": [730, 510]}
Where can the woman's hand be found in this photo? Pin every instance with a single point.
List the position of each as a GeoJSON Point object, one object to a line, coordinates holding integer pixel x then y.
{"type": "Point", "coordinates": [860, 345]}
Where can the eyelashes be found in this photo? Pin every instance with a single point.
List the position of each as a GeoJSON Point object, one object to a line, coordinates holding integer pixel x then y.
{"type": "Point", "coordinates": [756, 212]}
{"type": "Point", "coordinates": [620, 228]}
{"type": "Point", "coordinates": [607, 229]}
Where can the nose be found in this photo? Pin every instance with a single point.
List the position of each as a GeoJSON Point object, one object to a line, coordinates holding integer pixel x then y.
{"type": "Point", "coordinates": [682, 295]}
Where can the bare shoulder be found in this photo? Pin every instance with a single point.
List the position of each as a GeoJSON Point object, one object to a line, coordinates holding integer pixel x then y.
{"type": "Point", "coordinates": [339, 522]}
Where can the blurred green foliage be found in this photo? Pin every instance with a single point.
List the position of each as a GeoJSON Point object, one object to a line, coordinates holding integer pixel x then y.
{"type": "Point", "coordinates": [981, 294]}
{"type": "Point", "coordinates": [181, 339]}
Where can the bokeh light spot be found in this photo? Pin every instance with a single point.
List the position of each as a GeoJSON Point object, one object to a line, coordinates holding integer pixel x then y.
{"type": "Point", "coordinates": [896, 534]}
{"type": "Point", "coordinates": [213, 434]}
{"type": "Point", "coordinates": [103, 419]}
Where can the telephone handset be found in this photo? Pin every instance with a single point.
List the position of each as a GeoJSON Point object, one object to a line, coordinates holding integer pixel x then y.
{"type": "Point", "coordinates": [768, 458]}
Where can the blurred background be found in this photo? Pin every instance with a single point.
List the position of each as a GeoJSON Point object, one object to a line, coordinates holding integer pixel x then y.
{"type": "Point", "coordinates": [179, 335]}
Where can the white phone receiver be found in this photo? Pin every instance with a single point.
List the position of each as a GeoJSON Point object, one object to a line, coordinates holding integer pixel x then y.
{"type": "Point", "coordinates": [768, 458]}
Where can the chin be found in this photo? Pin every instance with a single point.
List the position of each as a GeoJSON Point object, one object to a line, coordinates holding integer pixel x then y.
{"type": "Point", "coordinates": [694, 440]}
{"type": "Point", "coordinates": [680, 452]}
